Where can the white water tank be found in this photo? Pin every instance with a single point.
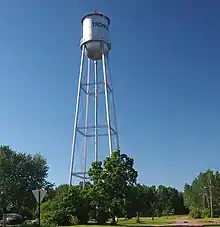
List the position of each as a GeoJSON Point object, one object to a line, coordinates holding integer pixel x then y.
{"type": "Point", "coordinates": [95, 35]}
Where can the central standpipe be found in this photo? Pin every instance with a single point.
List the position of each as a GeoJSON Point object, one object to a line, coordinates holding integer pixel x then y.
{"type": "Point", "coordinates": [96, 112]}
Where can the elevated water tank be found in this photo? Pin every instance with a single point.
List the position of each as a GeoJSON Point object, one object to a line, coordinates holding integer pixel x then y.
{"type": "Point", "coordinates": [95, 35]}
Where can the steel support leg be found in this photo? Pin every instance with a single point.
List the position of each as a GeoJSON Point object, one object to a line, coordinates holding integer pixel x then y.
{"type": "Point", "coordinates": [76, 116]}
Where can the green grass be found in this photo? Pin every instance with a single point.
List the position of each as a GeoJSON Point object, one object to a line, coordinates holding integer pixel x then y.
{"type": "Point", "coordinates": [204, 220]}
{"type": "Point", "coordinates": [144, 221]}
{"type": "Point", "coordinates": [156, 221]}
{"type": "Point", "coordinates": [147, 221]}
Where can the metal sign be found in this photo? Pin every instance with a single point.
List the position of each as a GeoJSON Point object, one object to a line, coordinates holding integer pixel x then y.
{"type": "Point", "coordinates": [39, 194]}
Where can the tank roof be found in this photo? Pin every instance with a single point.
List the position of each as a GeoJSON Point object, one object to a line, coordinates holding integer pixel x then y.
{"type": "Point", "coordinates": [96, 13]}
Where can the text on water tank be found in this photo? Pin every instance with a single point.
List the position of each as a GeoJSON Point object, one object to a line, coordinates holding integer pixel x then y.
{"type": "Point", "coordinates": [97, 24]}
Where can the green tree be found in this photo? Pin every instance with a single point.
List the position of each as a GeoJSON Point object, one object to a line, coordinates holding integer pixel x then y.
{"type": "Point", "coordinates": [19, 175]}
{"type": "Point", "coordinates": [111, 183]}
{"type": "Point", "coordinates": [69, 203]}
{"type": "Point", "coordinates": [151, 201]}
{"type": "Point", "coordinates": [134, 202]}
{"type": "Point", "coordinates": [203, 195]}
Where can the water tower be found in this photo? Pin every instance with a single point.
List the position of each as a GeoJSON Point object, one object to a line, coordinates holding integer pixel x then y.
{"type": "Point", "coordinates": [95, 127]}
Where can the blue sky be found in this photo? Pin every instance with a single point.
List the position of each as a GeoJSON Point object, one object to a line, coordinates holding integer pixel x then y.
{"type": "Point", "coordinates": [165, 67]}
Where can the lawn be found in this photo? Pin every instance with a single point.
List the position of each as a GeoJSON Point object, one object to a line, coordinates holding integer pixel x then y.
{"type": "Point", "coordinates": [147, 221]}
{"type": "Point", "coordinates": [144, 221]}
{"type": "Point", "coordinates": [208, 220]}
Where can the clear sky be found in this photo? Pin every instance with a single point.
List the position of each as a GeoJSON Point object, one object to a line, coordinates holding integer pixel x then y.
{"type": "Point", "coordinates": [165, 66]}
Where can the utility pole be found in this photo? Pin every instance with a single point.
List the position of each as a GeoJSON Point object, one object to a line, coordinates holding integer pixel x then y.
{"type": "Point", "coordinates": [210, 194]}
{"type": "Point", "coordinates": [210, 201]}
{"type": "Point", "coordinates": [203, 197]}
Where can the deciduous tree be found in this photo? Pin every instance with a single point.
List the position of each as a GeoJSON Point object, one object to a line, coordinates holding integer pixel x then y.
{"type": "Point", "coordinates": [203, 195]}
{"type": "Point", "coordinates": [111, 182]}
{"type": "Point", "coordinates": [19, 174]}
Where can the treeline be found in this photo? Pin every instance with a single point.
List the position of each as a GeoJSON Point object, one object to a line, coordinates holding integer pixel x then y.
{"type": "Point", "coordinates": [77, 205]}
{"type": "Point", "coordinates": [112, 192]}
{"type": "Point", "coordinates": [203, 195]}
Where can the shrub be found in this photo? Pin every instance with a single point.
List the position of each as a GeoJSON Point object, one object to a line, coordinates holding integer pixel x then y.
{"type": "Point", "coordinates": [195, 213]}
{"type": "Point", "coordinates": [74, 220]}
{"type": "Point", "coordinates": [25, 224]}
{"type": "Point", "coordinates": [56, 218]}
{"type": "Point", "coordinates": [205, 213]}
{"type": "Point", "coordinates": [69, 207]}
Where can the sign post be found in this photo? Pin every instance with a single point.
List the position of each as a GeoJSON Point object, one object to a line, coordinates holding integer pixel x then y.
{"type": "Point", "coordinates": [39, 196]}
